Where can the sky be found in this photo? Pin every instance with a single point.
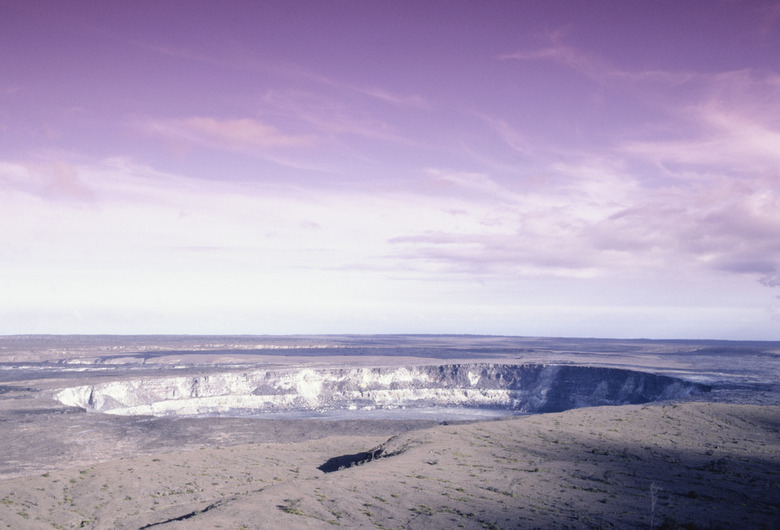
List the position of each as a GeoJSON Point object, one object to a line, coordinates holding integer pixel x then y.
{"type": "Point", "coordinates": [539, 168]}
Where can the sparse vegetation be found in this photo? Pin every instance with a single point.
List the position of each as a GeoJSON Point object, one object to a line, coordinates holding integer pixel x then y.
{"type": "Point", "coordinates": [292, 506]}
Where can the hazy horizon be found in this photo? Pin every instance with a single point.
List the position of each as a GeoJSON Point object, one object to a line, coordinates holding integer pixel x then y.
{"type": "Point", "coordinates": [539, 169]}
{"type": "Point", "coordinates": [195, 334]}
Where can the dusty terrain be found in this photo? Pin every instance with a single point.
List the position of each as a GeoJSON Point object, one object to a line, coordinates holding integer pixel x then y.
{"type": "Point", "coordinates": [708, 463]}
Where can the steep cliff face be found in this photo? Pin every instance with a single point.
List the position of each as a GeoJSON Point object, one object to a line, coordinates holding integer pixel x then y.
{"type": "Point", "coordinates": [518, 388]}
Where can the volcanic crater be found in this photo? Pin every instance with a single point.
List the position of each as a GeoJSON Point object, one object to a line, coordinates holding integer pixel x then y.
{"type": "Point", "coordinates": [512, 388]}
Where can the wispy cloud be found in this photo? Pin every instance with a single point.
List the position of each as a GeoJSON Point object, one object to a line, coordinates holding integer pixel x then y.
{"type": "Point", "coordinates": [642, 82]}
{"type": "Point", "coordinates": [509, 134]}
{"type": "Point", "coordinates": [474, 186]}
{"type": "Point", "coordinates": [733, 123]}
{"type": "Point", "coordinates": [590, 65]}
{"type": "Point", "coordinates": [398, 100]}
{"type": "Point", "coordinates": [165, 233]}
{"type": "Point", "coordinates": [602, 220]}
{"type": "Point", "coordinates": [708, 198]}
{"type": "Point", "coordinates": [769, 19]}
{"type": "Point", "coordinates": [248, 59]}
{"type": "Point", "coordinates": [731, 142]}
{"type": "Point", "coordinates": [331, 116]}
{"type": "Point", "coordinates": [57, 180]}
{"type": "Point", "coordinates": [241, 134]}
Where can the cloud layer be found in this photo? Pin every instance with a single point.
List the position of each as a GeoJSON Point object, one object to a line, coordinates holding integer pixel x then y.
{"type": "Point", "coordinates": [505, 170]}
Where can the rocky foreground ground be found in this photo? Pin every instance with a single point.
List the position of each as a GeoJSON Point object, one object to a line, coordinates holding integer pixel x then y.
{"type": "Point", "coordinates": [705, 460]}
{"type": "Point", "coordinates": [686, 465]}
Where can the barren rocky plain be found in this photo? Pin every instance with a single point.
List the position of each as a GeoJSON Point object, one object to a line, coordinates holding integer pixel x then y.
{"type": "Point", "coordinates": [135, 432]}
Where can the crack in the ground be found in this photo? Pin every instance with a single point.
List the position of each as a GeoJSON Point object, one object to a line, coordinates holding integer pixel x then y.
{"type": "Point", "coordinates": [184, 517]}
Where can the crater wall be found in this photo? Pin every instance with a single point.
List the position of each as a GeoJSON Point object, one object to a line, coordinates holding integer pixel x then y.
{"type": "Point", "coordinates": [527, 388]}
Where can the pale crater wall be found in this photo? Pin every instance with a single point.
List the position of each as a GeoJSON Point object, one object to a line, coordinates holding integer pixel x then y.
{"type": "Point", "coordinates": [520, 388]}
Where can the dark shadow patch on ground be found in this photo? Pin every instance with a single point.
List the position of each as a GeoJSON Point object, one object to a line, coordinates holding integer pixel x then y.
{"type": "Point", "coordinates": [338, 463]}
{"type": "Point", "coordinates": [392, 447]}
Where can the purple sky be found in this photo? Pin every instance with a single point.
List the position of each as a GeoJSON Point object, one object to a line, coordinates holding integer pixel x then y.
{"type": "Point", "coordinates": [567, 168]}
